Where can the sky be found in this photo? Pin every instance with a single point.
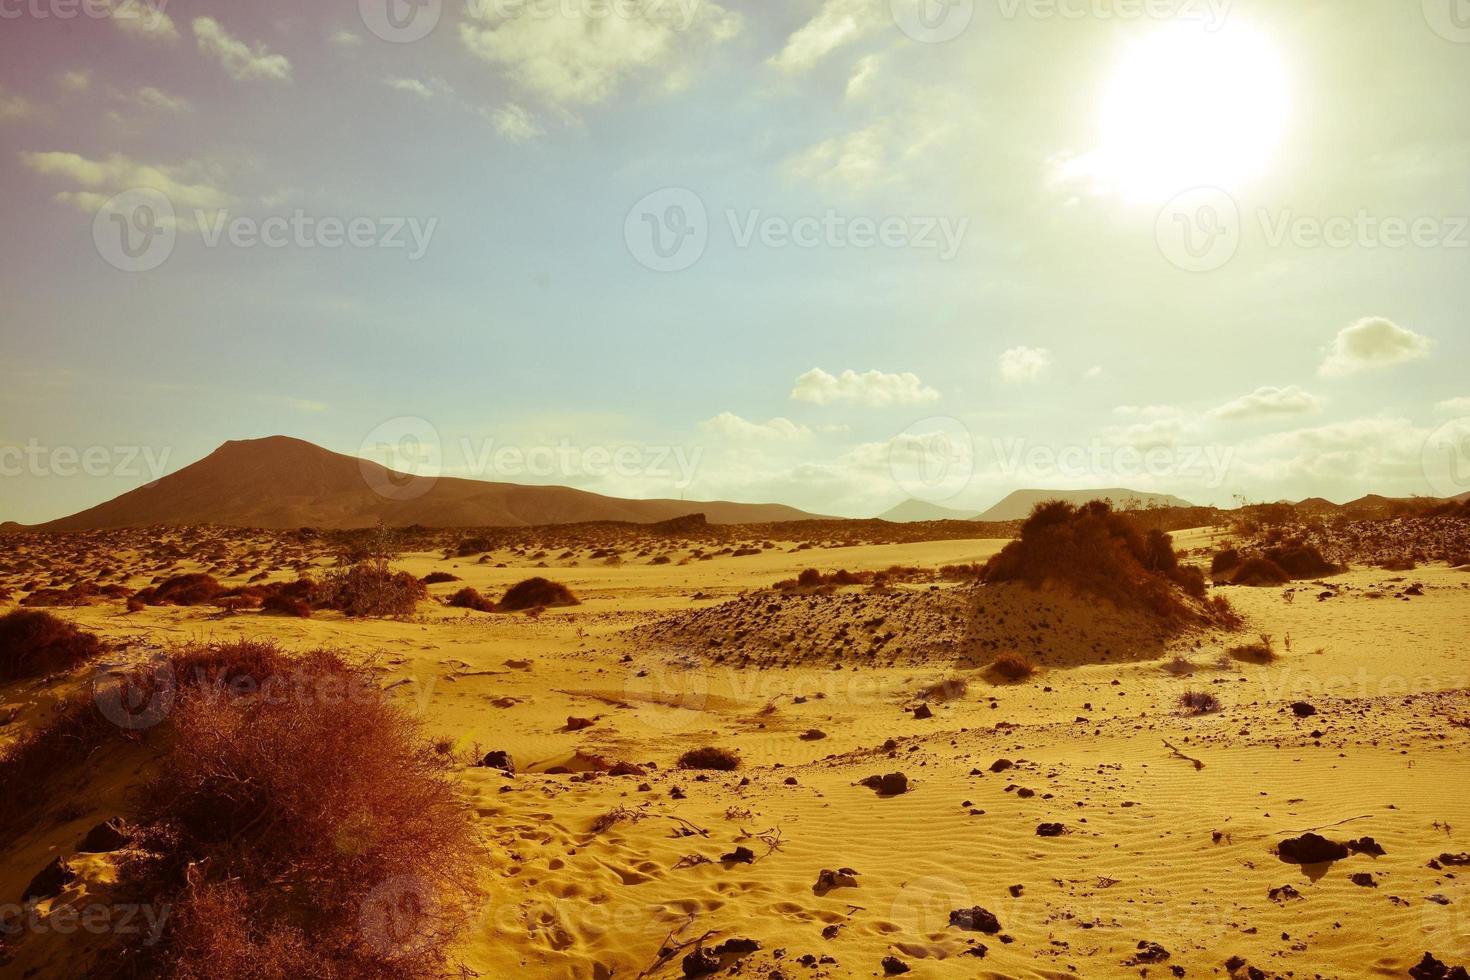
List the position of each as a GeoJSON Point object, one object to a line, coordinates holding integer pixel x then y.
{"type": "Point", "coordinates": [828, 253]}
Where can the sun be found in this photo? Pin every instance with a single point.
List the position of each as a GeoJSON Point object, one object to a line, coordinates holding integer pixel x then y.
{"type": "Point", "coordinates": [1188, 107]}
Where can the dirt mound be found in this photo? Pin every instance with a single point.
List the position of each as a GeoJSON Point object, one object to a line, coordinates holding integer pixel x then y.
{"type": "Point", "coordinates": [535, 592]}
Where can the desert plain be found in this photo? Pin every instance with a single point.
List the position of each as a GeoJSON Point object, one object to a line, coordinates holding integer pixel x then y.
{"type": "Point", "coordinates": [1087, 820]}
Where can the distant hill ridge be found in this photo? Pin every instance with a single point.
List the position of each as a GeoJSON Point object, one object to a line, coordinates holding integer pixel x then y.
{"type": "Point", "coordinates": [281, 482]}
{"type": "Point", "coordinates": [1019, 504]}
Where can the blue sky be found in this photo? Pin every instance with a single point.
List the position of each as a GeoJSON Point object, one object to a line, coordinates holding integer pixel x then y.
{"type": "Point", "coordinates": [1060, 146]}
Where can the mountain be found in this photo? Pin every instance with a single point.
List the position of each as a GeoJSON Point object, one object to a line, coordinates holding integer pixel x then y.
{"type": "Point", "coordinates": [279, 482]}
{"type": "Point", "coordinates": [913, 511]}
{"type": "Point", "coordinates": [1019, 504]}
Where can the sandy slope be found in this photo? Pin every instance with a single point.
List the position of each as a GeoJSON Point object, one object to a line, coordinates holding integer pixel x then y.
{"type": "Point", "coordinates": [1154, 849]}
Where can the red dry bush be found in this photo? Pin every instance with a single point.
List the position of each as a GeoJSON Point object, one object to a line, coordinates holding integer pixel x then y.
{"type": "Point", "coordinates": [311, 832]}
{"type": "Point", "coordinates": [35, 643]}
{"type": "Point", "coordinates": [1012, 666]}
{"type": "Point", "coordinates": [470, 598]}
{"type": "Point", "coordinates": [371, 588]}
{"type": "Point", "coordinates": [535, 592]}
{"type": "Point", "coordinates": [193, 589]}
{"type": "Point", "coordinates": [710, 757]}
{"type": "Point", "coordinates": [436, 578]}
{"type": "Point", "coordinates": [1259, 571]}
{"type": "Point", "coordinates": [281, 604]}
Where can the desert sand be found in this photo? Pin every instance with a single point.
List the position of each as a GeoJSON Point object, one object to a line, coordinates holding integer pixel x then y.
{"type": "Point", "coordinates": [1107, 831]}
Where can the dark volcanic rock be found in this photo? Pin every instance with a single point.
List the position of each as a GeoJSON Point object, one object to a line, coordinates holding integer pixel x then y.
{"type": "Point", "coordinates": [975, 919]}
{"type": "Point", "coordinates": [1311, 849]}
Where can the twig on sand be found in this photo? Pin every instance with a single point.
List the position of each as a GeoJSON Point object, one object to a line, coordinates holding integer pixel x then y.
{"type": "Point", "coordinates": [1187, 758]}
{"type": "Point", "coordinates": [771, 838]}
{"type": "Point", "coordinates": [668, 949]}
{"type": "Point", "coordinates": [1335, 823]}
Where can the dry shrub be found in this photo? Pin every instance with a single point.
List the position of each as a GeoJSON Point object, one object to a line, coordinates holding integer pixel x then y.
{"type": "Point", "coordinates": [948, 689]}
{"type": "Point", "coordinates": [302, 828]}
{"type": "Point", "coordinates": [1301, 560]}
{"type": "Point", "coordinates": [1198, 702]}
{"type": "Point", "coordinates": [535, 592]}
{"type": "Point", "coordinates": [35, 643]}
{"type": "Point", "coordinates": [1224, 562]}
{"type": "Point", "coordinates": [1259, 571]}
{"type": "Point", "coordinates": [371, 588]}
{"type": "Point", "coordinates": [193, 589]}
{"type": "Point", "coordinates": [1222, 613]}
{"type": "Point", "coordinates": [82, 594]}
{"type": "Point", "coordinates": [710, 757]}
{"type": "Point", "coordinates": [1012, 666]}
{"type": "Point", "coordinates": [1260, 652]}
{"type": "Point", "coordinates": [438, 578]}
{"type": "Point", "coordinates": [1097, 552]}
{"type": "Point", "coordinates": [470, 598]}
{"type": "Point", "coordinates": [281, 604]}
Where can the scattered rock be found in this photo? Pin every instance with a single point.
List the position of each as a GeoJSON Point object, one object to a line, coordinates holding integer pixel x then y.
{"type": "Point", "coordinates": [827, 879]}
{"type": "Point", "coordinates": [1148, 952]}
{"type": "Point", "coordinates": [499, 759]}
{"type": "Point", "coordinates": [922, 712]}
{"type": "Point", "coordinates": [1001, 765]}
{"type": "Point", "coordinates": [813, 735]}
{"type": "Point", "coordinates": [1366, 845]}
{"type": "Point", "coordinates": [1050, 830]}
{"type": "Point", "coordinates": [893, 784]}
{"type": "Point", "coordinates": [1302, 709]}
{"type": "Point", "coordinates": [1285, 893]}
{"type": "Point", "coordinates": [975, 919]}
{"type": "Point", "coordinates": [1363, 880]}
{"type": "Point", "coordinates": [893, 966]}
{"type": "Point", "coordinates": [1310, 849]}
{"type": "Point", "coordinates": [1430, 968]}
{"type": "Point", "coordinates": [577, 724]}
{"type": "Point", "coordinates": [49, 882]}
{"type": "Point", "coordinates": [106, 837]}
{"type": "Point", "coordinates": [701, 963]}
{"type": "Point", "coordinates": [741, 855]}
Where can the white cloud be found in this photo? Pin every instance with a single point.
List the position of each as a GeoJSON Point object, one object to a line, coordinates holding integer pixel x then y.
{"type": "Point", "coordinates": [864, 75]}
{"type": "Point", "coordinates": [515, 123]}
{"type": "Point", "coordinates": [837, 23]}
{"type": "Point", "coordinates": [241, 61]}
{"type": "Point", "coordinates": [433, 88]}
{"type": "Point", "coordinates": [1146, 411]}
{"type": "Point", "coordinates": [76, 80]}
{"type": "Point", "coordinates": [1454, 406]}
{"type": "Point", "coordinates": [1096, 371]}
{"type": "Point", "coordinates": [1382, 455]}
{"type": "Point", "coordinates": [150, 97]}
{"type": "Point", "coordinates": [874, 388]}
{"type": "Point", "coordinates": [14, 107]}
{"type": "Point", "coordinates": [856, 159]}
{"type": "Point", "coordinates": [185, 185]}
{"type": "Point", "coordinates": [143, 19]}
{"type": "Point", "coordinates": [344, 39]}
{"type": "Point", "coordinates": [732, 426]}
{"type": "Point", "coordinates": [1022, 364]}
{"type": "Point", "coordinates": [1372, 343]}
{"type": "Point", "coordinates": [581, 56]}
{"type": "Point", "coordinates": [1267, 401]}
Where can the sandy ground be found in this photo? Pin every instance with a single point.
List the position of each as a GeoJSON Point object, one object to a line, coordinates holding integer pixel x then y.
{"type": "Point", "coordinates": [1168, 821]}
